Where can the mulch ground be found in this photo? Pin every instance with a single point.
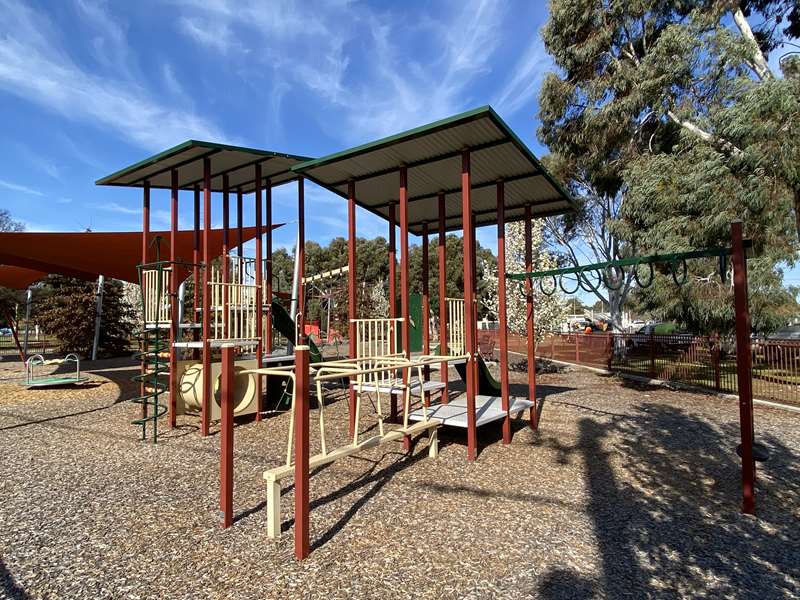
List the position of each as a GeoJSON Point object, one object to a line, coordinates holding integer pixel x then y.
{"type": "Point", "coordinates": [626, 491]}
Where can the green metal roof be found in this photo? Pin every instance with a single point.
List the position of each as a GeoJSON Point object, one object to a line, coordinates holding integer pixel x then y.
{"type": "Point", "coordinates": [236, 162]}
{"type": "Point", "coordinates": [432, 156]}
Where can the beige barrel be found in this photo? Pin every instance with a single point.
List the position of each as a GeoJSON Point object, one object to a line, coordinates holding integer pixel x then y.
{"type": "Point", "coordinates": [191, 388]}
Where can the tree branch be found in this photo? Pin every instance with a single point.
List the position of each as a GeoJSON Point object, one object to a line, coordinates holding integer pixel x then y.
{"type": "Point", "coordinates": [759, 61]}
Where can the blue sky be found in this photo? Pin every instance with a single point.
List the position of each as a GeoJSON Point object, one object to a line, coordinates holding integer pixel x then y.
{"type": "Point", "coordinates": [87, 87]}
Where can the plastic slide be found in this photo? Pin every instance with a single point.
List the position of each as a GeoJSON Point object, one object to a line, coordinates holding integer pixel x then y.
{"type": "Point", "coordinates": [487, 384]}
{"type": "Point", "coordinates": [284, 324]}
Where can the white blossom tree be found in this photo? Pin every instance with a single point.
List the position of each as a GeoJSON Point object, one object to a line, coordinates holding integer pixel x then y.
{"type": "Point", "coordinates": [549, 311]}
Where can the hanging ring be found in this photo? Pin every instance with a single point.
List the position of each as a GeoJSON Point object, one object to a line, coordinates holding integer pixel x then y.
{"type": "Point", "coordinates": [649, 280]}
{"type": "Point", "coordinates": [552, 291]}
{"type": "Point", "coordinates": [577, 284]}
{"type": "Point", "coordinates": [583, 278]}
{"type": "Point", "coordinates": [673, 267]}
{"type": "Point", "coordinates": [608, 281]}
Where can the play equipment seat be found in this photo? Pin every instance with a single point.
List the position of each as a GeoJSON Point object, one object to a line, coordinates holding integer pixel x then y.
{"type": "Point", "coordinates": [31, 380]}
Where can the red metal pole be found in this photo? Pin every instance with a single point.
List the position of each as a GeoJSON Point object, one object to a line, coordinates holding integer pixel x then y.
{"type": "Point", "coordinates": [426, 308]}
{"type": "Point", "coordinates": [474, 249]}
{"type": "Point", "coordinates": [351, 290]}
{"type": "Point", "coordinates": [530, 321]}
{"type": "Point", "coordinates": [301, 255]}
{"type": "Point", "coordinates": [259, 291]}
{"type": "Point", "coordinates": [268, 274]}
{"type": "Point", "coordinates": [502, 315]}
{"type": "Point", "coordinates": [205, 412]}
{"type": "Point", "coordinates": [469, 303]}
{"type": "Point", "coordinates": [442, 256]}
{"type": "Point", "coordinates": [226, 240]}
{"type": "Point", "coordinates": [173, 302]}
{"type": "Point", "coordinates": [145, 243]}
{"type": "Point", "coordinates": [196, 270]}
{"type": "Point", "coordinates": [226, 437]}
{"type": "Point", "coordinates": [392, 270]}
{"type": "Point", "coordinates": [239, 232]}
{"type": "Point", "coordinates": [393, 299]}
{"type": "Point", "coordinates": [301, 449]}
{"type": "Point", "coordinates": [404, 302]}
{"type": "Point", "coordinates": [744, 367]}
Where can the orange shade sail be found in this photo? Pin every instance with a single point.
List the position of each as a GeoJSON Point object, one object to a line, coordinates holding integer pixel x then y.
{"type": "Point", "coordinates": [26, 255]}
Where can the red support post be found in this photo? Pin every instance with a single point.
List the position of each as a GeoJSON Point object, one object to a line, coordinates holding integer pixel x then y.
{"type": "Point", "coordinates": [502, 312]}
{"type": "Point", "coordinates": [226, 437]}
{"type": "Point", "coordinates": [145, 243]}
{"type": "Point", "coordinates": [404, 301]}
{"type": "Point", "coordinates": [744, 366]}
{"type": "Point", "coordinates": [239, 231]}
{"type": "Point", "coordinates": [392, 270]}
{"type": "Point", "coordinates": [469, 304]}
{"type": "Point", "coordinates": [205, 413]}
{"type": "Point", "coordinates": [393, 298]}
{"type": "Point", "coordinates": [301, 449]}
{"type": "Point", "coordinates": [226, 241]}
{"type": "Point", "coordinates": [426, 306]}
{"type": "Point", "coordinates": [442, 256]}
{"type": "Point", "coordinates": [530, 321]}
{"type": "Point", "coordinates": [268, 273]}
{"type": "Point", "coordinates": [301, 255]}
{"type": "Point", "coordinates": [474, 246]}
{"type": "Point", "coordinates": [351, 291]}
{"type": "Point", "coordinates": [652, 353]}
{"type": "Point", "coordinates": [577, 347]}
{"type": "Point", "coordinates": [259, 292]}
{"type": "Point", "coordinates": [196, 269]}
{"type": "Point", "coordinates": [173, 301]}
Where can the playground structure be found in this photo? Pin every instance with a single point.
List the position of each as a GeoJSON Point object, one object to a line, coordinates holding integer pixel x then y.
{"type": "Point", "coordinates": [34, 380]}
{"type": "Point", "coordinates": [452, 175]}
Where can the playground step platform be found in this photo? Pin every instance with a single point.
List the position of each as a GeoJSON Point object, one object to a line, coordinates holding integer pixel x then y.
{"type": "Point", "coordinates": [428, 387]}
{"type": "Point", "coordinates": [190, 325]}
{"type": "Point", "coordinates": [217, 343]}
{"type": "Point", "coordinates": [487, 410]}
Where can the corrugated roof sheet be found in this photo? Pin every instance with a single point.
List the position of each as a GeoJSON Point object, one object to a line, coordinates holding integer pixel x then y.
{"type": "Point", "coordinates": [432, 156]}
{"type": "Point", "coordinates": [236, 162]}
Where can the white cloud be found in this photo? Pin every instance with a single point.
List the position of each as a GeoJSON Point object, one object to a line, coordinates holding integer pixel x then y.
{"type": "Point", "coordinates": [15, 187]}
{"type": "Point", "coordinates": [521, 88]}
{"type": "Point", "coordinates": [33, 67]}
{"type": "Point", "coordinates": [117, 208]}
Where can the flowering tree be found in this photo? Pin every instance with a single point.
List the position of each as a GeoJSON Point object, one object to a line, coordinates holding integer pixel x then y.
{"type": "Point", "coordinates": [549, 311]}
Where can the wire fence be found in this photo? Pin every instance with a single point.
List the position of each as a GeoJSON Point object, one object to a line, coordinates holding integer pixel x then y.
{"type": "Point", "coordinates": [36, 345]}
{"type": "Point", "coordinates": [703, 361]}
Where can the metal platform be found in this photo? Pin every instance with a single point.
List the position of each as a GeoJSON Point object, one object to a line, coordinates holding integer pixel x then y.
{"type": "Point", "coordinates": [217, 343]}
{"type": "Point", "coordinates": [487, 410]}
{"type": "Point", "coordinates": [397, 389]}
{"type": "Point", "coordinates": [54, 381]}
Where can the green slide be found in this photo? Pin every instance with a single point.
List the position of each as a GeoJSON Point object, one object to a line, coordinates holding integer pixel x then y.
{"type": "Point", "coordinates": [284, 324]}
{"type": "Point", "coordinates": [487, 384]}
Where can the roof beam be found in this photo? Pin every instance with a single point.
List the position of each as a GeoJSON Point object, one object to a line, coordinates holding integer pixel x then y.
{"type": "Point", "coordinates": [177, 165]}
{"type": "Point", "coordinates": [455, 190]}
{"type": "Point", "coordinates": [479, 213]}
{"type": "Point", "coordinates": [424, 161]}
{"type": "Point", "coordinates": [230, 170]}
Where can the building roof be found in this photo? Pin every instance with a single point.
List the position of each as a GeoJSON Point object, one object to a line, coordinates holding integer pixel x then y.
{"type": "Point", "coordinates": [236, 162]}
{"type": "Point", "coordinates": [432, 156]}
{"type": "Point", "coordinates": [87, 255]}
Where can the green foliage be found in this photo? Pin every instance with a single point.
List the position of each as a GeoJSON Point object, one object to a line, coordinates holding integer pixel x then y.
{"type": "Point", "coordinates": [670, 108]}
{"type": "Point", "coordinates": [67, 311]}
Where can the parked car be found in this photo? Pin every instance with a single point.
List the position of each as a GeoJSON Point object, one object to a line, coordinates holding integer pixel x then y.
{"type": "Point", "coordinates": [5, 332]}
{"type": "Point", "coordinates": [790, 332]}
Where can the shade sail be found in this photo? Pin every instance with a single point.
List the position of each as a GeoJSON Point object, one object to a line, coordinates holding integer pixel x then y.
{"type": "Point", "coordinates": [235, 162]}
{"type": "Point", "coordinates": [432, 157]}
{"type": "Point", "coordinates": [18, 278]}
{"type": "Point", "coordinates": [89, 254]}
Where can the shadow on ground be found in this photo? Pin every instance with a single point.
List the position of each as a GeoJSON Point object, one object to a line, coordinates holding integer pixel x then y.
{"type": "Point", "coordinates": [687, 537]}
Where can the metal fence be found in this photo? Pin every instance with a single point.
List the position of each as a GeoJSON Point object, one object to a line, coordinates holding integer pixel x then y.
{"type": "Point", "coordinates": [703, 361]}
{"type": "Point", "coordinates": [42, 345]}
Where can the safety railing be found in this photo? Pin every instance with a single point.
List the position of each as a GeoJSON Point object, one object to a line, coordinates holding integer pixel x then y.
{"type": "Point", "coordinates": [455, 325]}
{"type": "Point", "coordinates": [156, 296]}
{"type": "Point", "coordinates": [233, 302]}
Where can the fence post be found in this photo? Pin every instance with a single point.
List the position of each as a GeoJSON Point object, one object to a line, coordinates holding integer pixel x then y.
{"type": "Point", "coordinates": [609, 350]}
{"type": "Point", "coordinates": [553, 346]}
{"type": "Point", "coordinates": [577, 349]}
{"type": "Point", "coordinates": [652, 354]}
{"type": "Point", "coordinates": [715, 360]}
